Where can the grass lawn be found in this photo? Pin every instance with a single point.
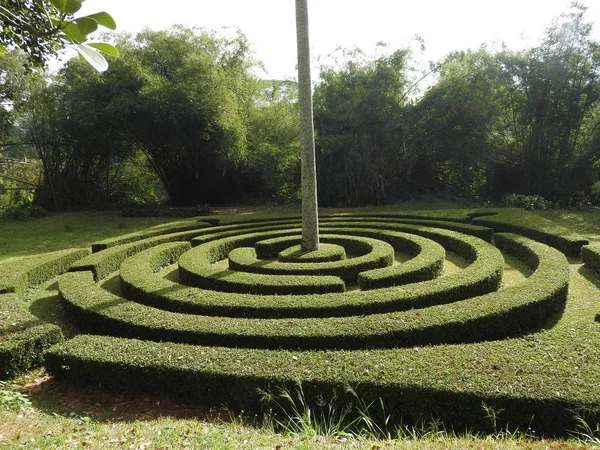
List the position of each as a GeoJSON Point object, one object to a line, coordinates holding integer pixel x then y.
{"type": "Point", "coordinates": [37, 412]}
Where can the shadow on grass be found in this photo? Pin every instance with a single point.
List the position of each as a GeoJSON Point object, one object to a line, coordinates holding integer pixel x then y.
{"type": "Point", "coordinates": [53, 397]}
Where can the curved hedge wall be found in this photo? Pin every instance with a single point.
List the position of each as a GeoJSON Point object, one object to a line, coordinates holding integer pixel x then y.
{"type": "Point", "coordinates": [424, 311]}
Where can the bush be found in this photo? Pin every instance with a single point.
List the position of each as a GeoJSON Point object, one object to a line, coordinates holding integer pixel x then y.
{"type": "Point", "coordinates": [528, 202]}
{"type": "Point", "coordinates": [18, 275]}
{"type": "Point", "coordinates": [534, 227]}
{"type": "Point", "coordinates": [167, 211]}
{"type": "Point", "coordinates": [25, 212]}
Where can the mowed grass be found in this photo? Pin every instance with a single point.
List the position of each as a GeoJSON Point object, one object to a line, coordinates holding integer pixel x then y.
{"type": "Point", "coordinates": [60, 417]}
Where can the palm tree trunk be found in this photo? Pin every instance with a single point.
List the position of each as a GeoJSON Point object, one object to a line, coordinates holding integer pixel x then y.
{"type": "Point", "coordinates": [310, 217]}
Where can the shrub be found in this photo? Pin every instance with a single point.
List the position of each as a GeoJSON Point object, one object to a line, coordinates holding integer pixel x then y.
{"type": "Point", "coordinates": [25, 212]}
{"type": "Point", "coordinates": [23, 337]}
{"type": "Point", "coordinates": [590, 255]}
{"type": "Point", "coordinates": [528, 202]}
{"type": "Point", "coordinates": [534, 227]}
{"type": "Point", "coordinates": [162, 211]}
{"type": "Point", "coordinates": [18, 275]}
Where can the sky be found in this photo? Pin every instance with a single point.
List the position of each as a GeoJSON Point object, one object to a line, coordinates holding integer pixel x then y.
{"type": "Point", "coordinates": [269, 25]}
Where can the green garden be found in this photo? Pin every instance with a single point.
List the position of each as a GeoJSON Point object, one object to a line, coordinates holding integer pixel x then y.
{"type": "Point", "coordinates": [161, 288]}
{"type": "Point", "coordinates": [477, 319]}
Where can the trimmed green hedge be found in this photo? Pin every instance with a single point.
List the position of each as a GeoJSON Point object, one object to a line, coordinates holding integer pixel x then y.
{"type": "Point", "coordinates": [108, 261]}
{"type": "Point", "coordinates": [377, 344]}
{"type": "Point", "coordinates": [590, 255]}
{"type": "Point", "coordinates": [427, 263]}
{"type": "Point", "coordinates": [18, 275]}
{"type": "Point", "coordinates": [374, 254]}
{"type": "Point", "coordinates": [139, 282]}
{"type": "Point", "coordinates": [174, 227]}
{"type": "Point", "coordinates": [448, 383]}
{"type": "Point", "coordinates": [325, 253]}
{"type": "Point", "coordinates": [491, 316]}
{"type": "Point", "coordinates": [426, 266]}
{"type": "Point", "coordinates": [481, 232]}
{"type": "Point", "coordinates": [535, 227]}
{"type": "Point", "coordinates": [23, 337]}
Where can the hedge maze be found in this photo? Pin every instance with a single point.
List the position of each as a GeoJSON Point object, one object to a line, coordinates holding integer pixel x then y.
{"type": "Point", "coordinates": [415, 310]}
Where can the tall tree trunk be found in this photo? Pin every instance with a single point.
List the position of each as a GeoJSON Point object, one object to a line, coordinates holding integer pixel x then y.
{"type": "Point", "coordinates": [310, 217]}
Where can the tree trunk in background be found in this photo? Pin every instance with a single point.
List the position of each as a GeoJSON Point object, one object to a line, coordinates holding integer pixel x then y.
{"type": "Point", "coordinates": [310, 217]}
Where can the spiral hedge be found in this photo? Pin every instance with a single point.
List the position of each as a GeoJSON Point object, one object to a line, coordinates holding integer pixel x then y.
{"type": "Point", "coordinates": [217, 311]}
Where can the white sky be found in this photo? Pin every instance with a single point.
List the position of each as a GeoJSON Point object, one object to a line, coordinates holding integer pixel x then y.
{"type": "Point", "coordinates": [270, 24]}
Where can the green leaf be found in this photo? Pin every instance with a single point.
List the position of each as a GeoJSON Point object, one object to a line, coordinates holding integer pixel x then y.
{"type": "Point", "coordinates": [105, 48]}
{"type": "Point", "coordinates": [2, 50]}
{"type": "Point", "coordinates": [69, 7]}
{"type": "Point", "coordinates": [72, 32]}
{"type": "Point", "coordinates": [104, 19]}
{"type": "Point", "coordinates": [92, 56]}
{"type": "Point", "coordinates": [86, 25]}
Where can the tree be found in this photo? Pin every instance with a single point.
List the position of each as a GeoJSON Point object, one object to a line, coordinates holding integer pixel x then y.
{"type": "Point", "coordinates": [189, 95]}
{"type": "Point", "coordinates": [360, 126]}
{"type": "Point", "coordinates": [310, 215]}
{"type": "Point", "coordinates": [41, 28]}
{"type": "Point", "coordinates": [272, 167]}
{"type": "Point", "coordinates": [454, 131]}
{"type": "Point", "coordinates": [554, 93]}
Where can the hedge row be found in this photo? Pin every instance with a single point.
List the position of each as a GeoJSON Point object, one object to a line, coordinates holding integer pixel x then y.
{"type": "Point", "coordinates": [173, 227]}
{"type": "Point", "coordinates": [499, 314]}
{"type": "Point", "coordinates": [325, 253]}
{"type": "Point", "coordinates": [271, 247]}
{"type": "Point", "coordinates": [184, 225]}
{"type": "Point", "coordinates": [446, 383]}
{"type": "Point", "coordinates": [446, 215]}
{"type": "Point", "coordinates": [108, 261]}
{"type": "Point", "coordinates": [18, 275]}
{"type": "Point", "coordinates": [535, 227]}
{"type": "Point", "coordinates": [139, 282]}
{"type": "Point", "coordinates": [590, 255]}
{"type": "Point", "coordinates": [375, 254]}
{"type": "Point", "coordinates": [426, 266]}
{"type": "Point", "coordinates": [23, 337]}
{"type": "Point", "coordinates": [481, 232]}
{"type": "Point", "coordinates": [427, 263]}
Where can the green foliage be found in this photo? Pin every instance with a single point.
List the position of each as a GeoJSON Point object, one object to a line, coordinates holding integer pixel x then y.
{"type": "Point", "coordinates": [24, 212]}
{"type": "Point", "coordinates": [518, 221]}
{"type": "Point", "coordinates": [18, 180]}
{"type": "Point", "coordinates": [173, 227]}
{"type": "Point", "coordinates": [139, 281]}
{"type": "Point", "coordinates": [590, 255]}
{"type": "Point", "coordinates": [272, 169]}
{"type": "Point", "coordinates": [23, 337]}
{"type": "Point", "coordinates": [522, 305]}
{"type": "Point", "coordinates": [11, 399]}
{"type": "Point", "coordinates": [528, 202]}
{"type": "Point", "coordinates": [358, 112]}
{"type": "Point", "coordinates": [107, 261]}
{"type": "Point", "coordinates": [41, 28]}
{"type": "Point", "coordinates": [369, 254]}
{"type": "Point", "coordinates": [454, 124]}
{"type": "Point", "coordinates": [325, 253]}
{"type": "Point", "coordinates": [379, 345]}
{"type": "Point", "coordinates": [29, 272]}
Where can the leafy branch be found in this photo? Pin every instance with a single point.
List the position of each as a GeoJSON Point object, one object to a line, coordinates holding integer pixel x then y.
{"type": "Point", "coordinates": [41, 27]}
